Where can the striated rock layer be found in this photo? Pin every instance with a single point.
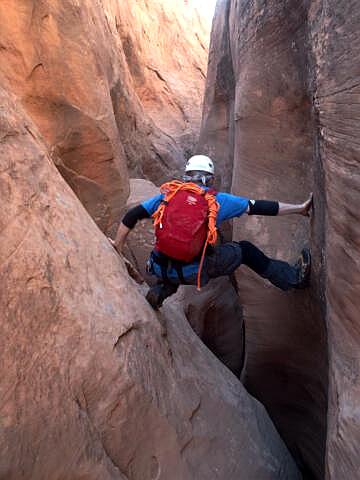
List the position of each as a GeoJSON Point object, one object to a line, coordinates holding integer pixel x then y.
{"type": "Point", "coordinates": [261, 78]}
{"type": "Point", "coordinates": [109, 84]}
{"type": "Point", "coordinates": [273, 148]}
{"type": "Point", "coordinates": [291, 123]}
{"type": "Point", "coordinates": [335, 40]}
{"type": "Point", "coordinates": [217, 128]}
{"type": "Point", "coordinates": [92, 385]}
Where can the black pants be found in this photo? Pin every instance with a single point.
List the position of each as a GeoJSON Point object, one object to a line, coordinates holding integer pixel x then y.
{"type": "Point", "coordinates": [226, 258]}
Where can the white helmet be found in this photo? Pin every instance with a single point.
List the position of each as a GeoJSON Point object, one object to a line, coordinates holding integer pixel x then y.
{"type": "Point", "coordinates": [200, 163]}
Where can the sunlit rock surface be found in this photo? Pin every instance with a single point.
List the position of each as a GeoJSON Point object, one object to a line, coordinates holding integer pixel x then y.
{"type": "Point", "coordinates": [108, 84]}
{"type": "Point", "coordinates": [166, 48]}
{"type": "Point", "coordinates": [93, 385]}
{"type": "Point", "coordinates": [217, 130]}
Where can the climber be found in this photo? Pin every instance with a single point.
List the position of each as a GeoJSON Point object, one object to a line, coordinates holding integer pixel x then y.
{"type": "Point", "coordinates": [175, 263]}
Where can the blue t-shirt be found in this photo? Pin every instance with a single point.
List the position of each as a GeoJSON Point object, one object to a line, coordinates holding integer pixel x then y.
{"type": "Point", "coordinates": [230, 206]}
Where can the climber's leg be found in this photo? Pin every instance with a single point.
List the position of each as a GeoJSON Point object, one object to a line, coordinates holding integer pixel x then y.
{"type": "Point", "coordinates": [221, 260]}
{"type": "Point", "coordinates": [279, 273]}
{"type": "Point", "coordinates": [159, 292]}
{"type": "Point", "coordinates": [226, 258]}
{"type": "Point", "coordinates": [158, 265]}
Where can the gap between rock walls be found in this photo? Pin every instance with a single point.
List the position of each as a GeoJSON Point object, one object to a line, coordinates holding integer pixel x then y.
{"type": "Point", "coordinates": [260, 121]}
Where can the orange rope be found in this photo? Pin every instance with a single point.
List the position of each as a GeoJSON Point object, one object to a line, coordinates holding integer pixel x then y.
{"type": "Point", "coordinates": [170, 189]}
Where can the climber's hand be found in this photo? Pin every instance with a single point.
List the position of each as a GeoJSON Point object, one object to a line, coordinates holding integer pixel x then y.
{"type": "Point", "coordinates": [117, 247]}
{"type": "Point", "coordinates": [306, 206]}
{"type": "Point", "coordinates": [114, 244]}
{"type": "Point", "coordinates": [132, 271]}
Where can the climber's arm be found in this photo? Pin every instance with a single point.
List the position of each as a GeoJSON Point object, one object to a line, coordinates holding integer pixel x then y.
{"type": "Point", "coordinates": [263, 207]}
{"type": "Point", "coordinates": [127, 224]}
{"type": "Point", "coordinates": [301, 209]}
{"type": "Point", "coordinates": [268, 207]}
{"type": "Point", "coordinates": [120, 239]}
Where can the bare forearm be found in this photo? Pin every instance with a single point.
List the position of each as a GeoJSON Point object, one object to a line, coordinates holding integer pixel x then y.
{"type": "Point", "coordinates": [121, 235]}
{"type": "Point", "coordinates": [269, 207]}
{"type": "Point", "coordinates": [300, 209]}
{"type": "Point", "coordinates": [127, 224]}
{"type": "Point", "coordinates": [289, 208]}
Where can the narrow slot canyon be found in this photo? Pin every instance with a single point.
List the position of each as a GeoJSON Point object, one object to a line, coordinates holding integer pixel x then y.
{"type": "Point", "coordinates": [102, 102]}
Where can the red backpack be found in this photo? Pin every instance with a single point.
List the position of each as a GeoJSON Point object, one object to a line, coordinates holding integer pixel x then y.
{"type": "Point", "coordinates": [185, 222]}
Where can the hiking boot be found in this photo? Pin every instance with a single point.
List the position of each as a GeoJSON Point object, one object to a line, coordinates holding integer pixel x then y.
{"type": "Point", "coordinates": [158, 293]}
{"type": "Point", "coordinates": [303, 267]}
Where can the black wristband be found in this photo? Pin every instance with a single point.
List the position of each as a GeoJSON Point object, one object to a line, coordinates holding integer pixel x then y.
{"type": "Point", "coordinates": [263, 207]}
{"type": "Point", "coordinates": [133, 215]}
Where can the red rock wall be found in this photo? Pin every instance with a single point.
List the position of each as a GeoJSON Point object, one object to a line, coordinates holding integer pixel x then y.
{"type": "Point", "coordinates": [165, 46]}
{"type": "Point", "coordinates": [59, 61]}
{"type": "Point", "coordinates": [217, 130]}
{"type": "Point", "coordinates": [274, 137]}
{"type": "Point", "coordinates": [296, 125]}
{"type": "Point", "coordinates": [336, 46]}
{"type": "Point", "coordinates": [92, 384]}
{"type": "Point", "coordinates": [109, 84]}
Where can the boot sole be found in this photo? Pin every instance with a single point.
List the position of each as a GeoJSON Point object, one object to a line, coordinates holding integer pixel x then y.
{"type": "Point", "coordinates": [306, 261]}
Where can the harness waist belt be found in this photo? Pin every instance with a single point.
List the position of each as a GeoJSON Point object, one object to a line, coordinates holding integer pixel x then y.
{"type": "Point", "coordinates": [162, 259]}
{"type": "Point", "coordinates": [164, 262]}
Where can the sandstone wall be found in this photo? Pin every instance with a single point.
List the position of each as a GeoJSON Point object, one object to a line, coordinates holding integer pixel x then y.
{"type": "Point", "coordinates": [93, 385]}
{"type": "Point", "coordinates": [336, 46]}
{"type": "Point", "coordinates": [217, 128]}
{"type": "Point", "coordinates": [166, 47]}
{"type": "Point", "coordinates": [274, 132]}
{"type": "Point", "coordinates": [289, 123]}
{"type": "Point", "coordinates": [110, 84]}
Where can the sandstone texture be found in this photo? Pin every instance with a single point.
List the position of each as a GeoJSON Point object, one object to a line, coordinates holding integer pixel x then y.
{"type": "Point", "coordinates": [109, 84]}
{"type": "Point", "coordinates": [166, 48]}
{"type": "Point", "coordinates": [93, 385]}
{"type": "Point", "coordinates": [336, 47]}
{"type": "Point", "coordinates": [215, 314]}
{"type": "Point", "coordinates": [141, 239]}
{"type": "Point", "coordinates": [217, 128]}
{"type": "Point", "coordinates": [273, 148]}
{"type": "Point", "coordinates": [60, 61]}
{"type": "Point", "coordinates": [281, 105]}
{"type": "Point", "coordinates": [269, 131]}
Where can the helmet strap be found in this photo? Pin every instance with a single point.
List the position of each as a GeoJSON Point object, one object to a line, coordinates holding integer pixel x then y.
{"type": "Point", "coordinates": [198, 177]}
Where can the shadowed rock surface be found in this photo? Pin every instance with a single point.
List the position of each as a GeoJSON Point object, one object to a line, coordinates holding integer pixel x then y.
{"type": "Point", "coordinates": [273, 147]}
{"type": "Point", "coordinates": [100, 81]}
{"type": "Point", "coordinates": [215, 314]}
{"type": "Point", "coordinates": [93, 386]}
{"type": "Point", "coordinates": [335, 39]}
{"type": "Point", "coordinates": [290, 121]}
